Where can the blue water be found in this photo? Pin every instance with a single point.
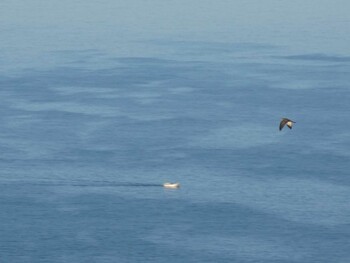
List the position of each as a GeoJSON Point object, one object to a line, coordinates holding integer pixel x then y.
{"type": "Point", "coordinates": [103, 102]}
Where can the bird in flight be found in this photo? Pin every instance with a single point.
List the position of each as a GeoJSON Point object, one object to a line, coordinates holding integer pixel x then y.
{"type": "Point", "coordinates": [285, 121]}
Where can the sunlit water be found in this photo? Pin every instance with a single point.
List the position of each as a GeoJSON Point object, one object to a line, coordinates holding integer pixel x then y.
{"type": "Point", "coordinates": [101, 103]}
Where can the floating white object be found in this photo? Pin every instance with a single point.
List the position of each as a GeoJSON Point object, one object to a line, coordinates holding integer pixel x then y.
{"type": "Point", "coordinates": [171, 185]}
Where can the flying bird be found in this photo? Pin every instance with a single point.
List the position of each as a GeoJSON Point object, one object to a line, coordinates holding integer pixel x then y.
{"type": "Point", "coordinates": [285, 121]}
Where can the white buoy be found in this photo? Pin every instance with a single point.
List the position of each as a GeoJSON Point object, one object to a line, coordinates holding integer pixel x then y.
{"type": "Point", "coordinates": [171, 185]}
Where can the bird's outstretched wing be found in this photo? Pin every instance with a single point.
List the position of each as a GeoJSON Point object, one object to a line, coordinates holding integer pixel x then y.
{"type": "Point", "coordinates": [283, 122]}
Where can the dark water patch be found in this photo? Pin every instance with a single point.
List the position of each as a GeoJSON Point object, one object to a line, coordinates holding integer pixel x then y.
{"type": "Point", "coordinates": [319, 57]}
{"type": "Point", "coordinates": [101, 224]}
{"type": "Point", "coordinates": [203, 47]}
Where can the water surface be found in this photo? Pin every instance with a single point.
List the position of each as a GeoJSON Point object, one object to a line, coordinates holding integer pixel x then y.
{"type": "Point", "coordinates": [104, 102]}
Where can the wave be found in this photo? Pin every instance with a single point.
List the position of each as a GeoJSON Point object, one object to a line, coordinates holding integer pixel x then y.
{"type": "Point", "coordinates": [319, 57]}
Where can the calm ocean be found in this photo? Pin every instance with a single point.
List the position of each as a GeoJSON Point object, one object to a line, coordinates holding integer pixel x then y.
{"type": "Point", "coordinates": [104, 101]}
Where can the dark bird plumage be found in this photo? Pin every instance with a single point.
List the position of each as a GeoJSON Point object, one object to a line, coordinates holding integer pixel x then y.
{"type": "Point", "coordinates": [285, 121]}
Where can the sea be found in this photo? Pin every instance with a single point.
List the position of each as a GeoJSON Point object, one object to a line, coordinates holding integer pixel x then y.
{"type": "Point", "coordinates": [102, 102]}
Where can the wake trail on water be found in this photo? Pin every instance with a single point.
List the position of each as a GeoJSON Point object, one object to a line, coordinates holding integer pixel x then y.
{"type": "Point", "coordinates": [84, 183]}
